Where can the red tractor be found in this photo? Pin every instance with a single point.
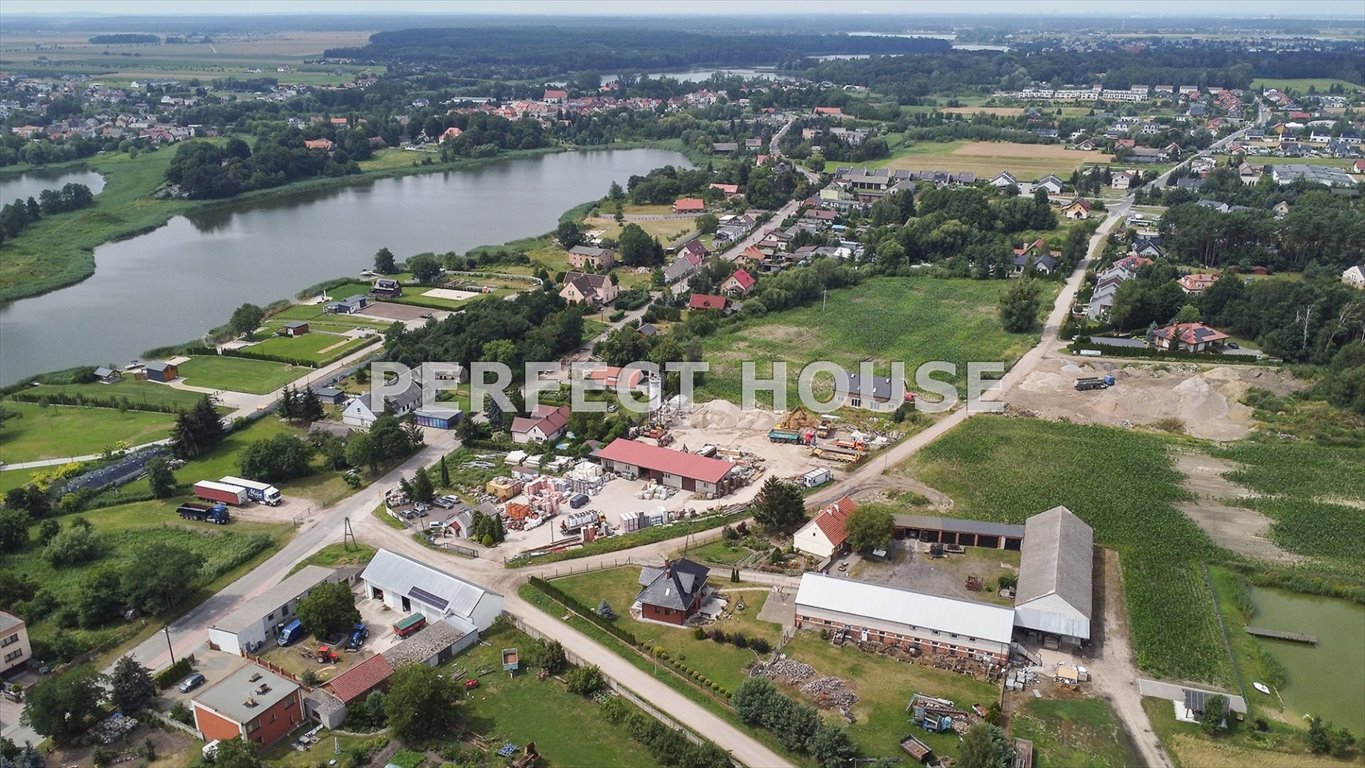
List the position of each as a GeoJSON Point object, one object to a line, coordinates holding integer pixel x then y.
{"type": "Point", "coordinates": [471, 683]}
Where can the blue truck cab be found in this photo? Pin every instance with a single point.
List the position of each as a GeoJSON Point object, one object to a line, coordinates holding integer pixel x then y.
{"type": "Point", "coordinates": [291, 632]}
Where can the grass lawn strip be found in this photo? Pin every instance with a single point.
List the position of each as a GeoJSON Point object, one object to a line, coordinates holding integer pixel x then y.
{"type": "Point", "coordinates": [1083, 733]}
{"type": "Point", "coordinates": [256, 377]}
{"type": "Point", "coordinates": [56, 431]}
{"type": "Point", "coordinates": [127, 390]}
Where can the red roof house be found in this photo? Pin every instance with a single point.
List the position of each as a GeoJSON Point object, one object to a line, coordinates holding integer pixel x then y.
{"type": "Point", "coordinates": [741, 283]}
{"type": "Point", "coordinates": [729, 190]}
{"type": "Point", "coordinates": [689, 205]}
{"type": "Point", "coordinates": [704, 301]}
{"type": "Point", "coordinates": [826, 533]}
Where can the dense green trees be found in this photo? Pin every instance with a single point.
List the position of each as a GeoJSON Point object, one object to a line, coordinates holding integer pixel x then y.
{"type": "Point", "coordinates": [158, 576]}
{"type": "Point", "coordinates": [204, 171]}
{"type": "Point", "coordinates": [637, 249]}
{"type": "Point", "coordinates": [131, 688]}
{"type": "Point", "coordinates": [797, 725]}
{"type": "Point", "coordinates": [197, 431]}
{"type": "Point", "coordinates": [1019, 306]}
{"type": "Point", "coordinates": [384, 262]}
{"type": "Point", "coordinates": [329, 609]}
{"type": "Point", "coordinates": [870, 527]}
{"type": "Point", "coordinates": [282, 457]}
{"type": "Point", "coordinates": [59, 706]}
{"type": "Point", "coordinates": [778, 505]}
{"type": "Point", "coordinates": [422, 703]}
{"type": "Point", "coordinates": [245, 320]}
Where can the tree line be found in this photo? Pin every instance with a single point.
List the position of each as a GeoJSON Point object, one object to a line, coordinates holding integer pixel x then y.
{"type": "Point", "coordinates": [15, 217]}
{"type": "Point", "coordinates": [204, 170]}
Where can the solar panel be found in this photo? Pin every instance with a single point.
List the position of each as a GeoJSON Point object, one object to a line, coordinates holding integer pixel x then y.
{"type": "Point", "coordinates": [427, 598]}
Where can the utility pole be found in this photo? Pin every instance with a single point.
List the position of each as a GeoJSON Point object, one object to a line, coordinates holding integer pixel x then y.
{"type": "Point", "coordinates": [169, 647]}
{"type": "Point", "coordinates": [348, 535]}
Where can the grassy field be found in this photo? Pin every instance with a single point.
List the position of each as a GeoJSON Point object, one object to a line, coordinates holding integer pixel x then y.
{"type": "Point", "coordinates": [721, 662]}
{"type": "Point", "coordinates": [59, 430]}
{"type": "Point", "coordinates": [133, 391]}
{"type": "Point", "coordinates": [667, 230]}
{"type": "Point", "coordinates": [567, 729]}
{"type": "Point", "coordinates": [987, 158]}
{"type": "Point", "coordinates": [884, 687]}
{"type": "Point", "coordinates": [1322, 84]}
{"type": "Point", "coordinates": [320, 348]}
{"type": "Point", "coordinates": [1331, 162]}
{"type": "Point", "coordinates": [1091, 470]}
{"type": "Point", "coordinates": [1083, 734]}
{"type": "Point", "coordinates": [59, 249]}
{"type": "Point", "coordinates": [120, 530]}
{"type": "Point", "coordinates": [911, 320]}
{"type": "Point", "coordinates": [1242, 747]}
{"type": "Point", "coordinates": [256, 377]}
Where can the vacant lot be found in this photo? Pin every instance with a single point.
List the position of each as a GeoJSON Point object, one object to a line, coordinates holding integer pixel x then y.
{"type": "Point", "coordinates": [129, 391]}
{"type": "Point", "coordinates": [1091, 470]}
{"type": "Point", "coordinates": [911, 320]}
{"type": "Point", "coordinates": [1082, 733]}
{"type": "Point", "coordinates": [721, 662]}
{"type": "Point", "coordinates": [57, 431]}
{"type": "Point", "coordinates": [666, 229]}
{"type": "Point", "coordinates": [1322, 84]}
{"type": "Point", "coordinates": [1001, 111]}
{"type": "Point", "coordinates": [256, 377]}
{"type": "Point", "coordinates": [1027, 162]}
{"type": "Point", "coordinates": [318, 348]}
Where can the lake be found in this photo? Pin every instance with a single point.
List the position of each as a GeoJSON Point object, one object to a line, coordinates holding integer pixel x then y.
{"type": "Point", "coordinates": [32, 183]}
{"type": "Point", "coordinates": [177, 282]}
{"type": "Point", "coordinates": [1327, 679]}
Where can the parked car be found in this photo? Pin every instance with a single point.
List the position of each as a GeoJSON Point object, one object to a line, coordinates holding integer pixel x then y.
{"type": "Point", "coordinates": [190, 683]}
{"type": "Point", "coordinates": [446, 502]}
{"type": "Point", "coordinates": [578, 501]}
{"type": "Point", "coordinates": [436, 525]}
{"type": "Point", "coordinates": [421, 509]}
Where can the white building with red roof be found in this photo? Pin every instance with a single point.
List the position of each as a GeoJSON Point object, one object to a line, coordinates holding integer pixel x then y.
{"type": "Point", "coordinates": [826, 533]}
{"type": "Point", "coordinates": [741, 283]}
{"type": "Point", "coordinates": [675, 469]}
{"type": "Point", "coordinates": [544, 424]}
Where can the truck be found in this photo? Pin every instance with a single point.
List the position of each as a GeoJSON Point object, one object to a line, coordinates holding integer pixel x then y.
{"type": "Point", "coordinates": [577, 521]}
{"type": "Point", "coordinates": [208, 490]}
{"type": "Point", "coordinates": [791, 436]}
{"type": "Point", "coordinates": [218, 513]}
{"type": "Point", "coordinates": [290, 633]}
{"type": "Point", "coordinates": [1094, 382]}
{"type": "Point", "coordinates": [837, 454]}
{"type": "Point", "coordinates": [261, 493]}
{"type": "Point", "coordinates": [410, 625]}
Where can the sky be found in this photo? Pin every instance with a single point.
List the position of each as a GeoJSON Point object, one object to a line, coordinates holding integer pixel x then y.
{"type": "Point", "coordinates": [1337, 9]}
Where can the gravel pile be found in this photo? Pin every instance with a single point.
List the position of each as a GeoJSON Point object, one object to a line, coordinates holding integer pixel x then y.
{"type": "Point", "coordinates": [830, 692]}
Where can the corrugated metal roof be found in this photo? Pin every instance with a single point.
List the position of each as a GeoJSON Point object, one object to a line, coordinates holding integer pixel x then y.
{"type": "Point", "coordinates": [253, 611]}
{"type": "Point", "coordinates": [395, 573]}
{"type": "Point", "coordinates": [959, 525]}
{"type": "Point", "coordinates": [1055, 574]}
{"type": "Point", "coordinates": [903, 606]}
{"type": "Point", "coordinates": [665, 460]}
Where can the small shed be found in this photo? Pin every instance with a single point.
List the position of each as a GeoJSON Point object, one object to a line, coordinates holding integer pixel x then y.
{"type": "Point", "coordinates": [162, 371]}
{"type": "Point", "coordinates": [107, 375]}
{"type": "Point", "coordinates": [330, 395]}
{"type": "Point", "coordinates": [917, 750]}
{"type": "Point", "coordinates": [437, 417]}
{"type": "Point", "coordinates": [295, 328]}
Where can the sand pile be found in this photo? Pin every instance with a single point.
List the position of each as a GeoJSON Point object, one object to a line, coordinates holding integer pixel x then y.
{"type": "Point", "coordinates": [722, 414]}
{"type": "Point", "coordinates": [1042, 381]}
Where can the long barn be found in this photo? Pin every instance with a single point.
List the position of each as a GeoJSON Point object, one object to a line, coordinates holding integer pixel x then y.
{"type": "Point", "coordinates": [675, 469]}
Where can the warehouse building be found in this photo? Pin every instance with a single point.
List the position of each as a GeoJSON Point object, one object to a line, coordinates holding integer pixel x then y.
{"type": "Point", "coordinates": [1056, 590]}
{"type": "Point", "coordinates": [904, 618]}
{"type": "Point", "coordinates": [675, 469]}
{"type": "Point", "coordinates": [966, 533]}
{"type": "Point", "coordinates": [409, 586]}
{"type": "Point", "coordinates": [260, 619]}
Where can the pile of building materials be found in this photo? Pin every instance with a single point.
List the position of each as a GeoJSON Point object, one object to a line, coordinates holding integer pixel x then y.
{"type": "Point", "coordinates": [653, 490]}
{"type": "Point", "coordinates": [503, 488]}
{"type": "Point", "coordinates": [830, 692]}
{"type": "Point", "coordinates": [586, 477]}
{"type": "Point", "coordinates": [515, 458]}
{"type": "Point", "coordinates": [784, 670]}
{"type": "Point", "coordinates": [113, 728]}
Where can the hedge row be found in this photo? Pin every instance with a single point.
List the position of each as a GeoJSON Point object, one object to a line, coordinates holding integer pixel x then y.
{"type": "Point", "coordinates": [1147, 352]}
{"type": "Point", "coordinates": [173, 674]}
{"type": "Point", "coordinates": [80, 399]}
{"type": "Point", "coordinates": [559, 596]}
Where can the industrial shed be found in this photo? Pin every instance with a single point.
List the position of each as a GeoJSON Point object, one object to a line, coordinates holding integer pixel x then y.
{"type": "Point", "coordinates": [1056, 590]}
{"type": "Point", "coordinates": [409, 586]}
{"type": "Point", "coordinates": [901, 617]}
{"type": "Point", "coordinates": [260, 618]}
{"type": "Point", "coordinates": [967, 533]}
{"type": "Point", "coordinates": [675, 469]}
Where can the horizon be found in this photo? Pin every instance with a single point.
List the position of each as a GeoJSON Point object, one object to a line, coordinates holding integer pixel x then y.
{"type": "Point", "coordinates": [1326, 10]}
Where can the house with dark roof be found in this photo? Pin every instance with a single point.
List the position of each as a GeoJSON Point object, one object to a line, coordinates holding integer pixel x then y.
{"type": "Point", "coordinates": [584, 288]}
{"type": "Point", "coordinates": [161, 371]}
{"type": "Point", "coordinates": [826, 534]}
{"type": "Point", "coordinates": [387, 287]}
{"type": "Point", "coordinates": [587, 256]}
{"type": "Point", "coordinates": [107, 375]}
{"type": "Point", "coordinates": [1188, 337]}
{"type": "Point", "coordinates": [877, 393]}
{"type": "Point", "coordinates": [348, 306]}
{"type": "Point", "coordinates": [1077, 209]}
{"type": "Point", "coordinates": [672, 594]}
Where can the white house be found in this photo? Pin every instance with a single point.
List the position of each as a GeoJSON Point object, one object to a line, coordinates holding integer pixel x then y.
{"type": "Point", "coordinates": [1004, 179]}
{"type": "Point", "coordinates": [544, 424]}
{"type": "Point", "coordinates": [825, 534]}
{"type": "Point", "coordinates": [409, 587]}
{"type": "Point", "coordinates": [362, 411]}
{"type": "Point", "coordinates": [1355, 276]}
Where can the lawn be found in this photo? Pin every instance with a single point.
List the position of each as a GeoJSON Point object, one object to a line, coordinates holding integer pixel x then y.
{"type": "Point", "coordinates": [909, 319]}
{"type": "Point", "coordinates": [720, 662]}
{"type": "Point", "coordinates": [1027, 162]}
{"type": "Point", "coordinates": [236, 374]}
{"type": "Point", "coordinates": [228, 552]}
{"type": "Point", "coordinates": [1123, 484]}
{"type": "Point", "coordinates": [319, 348]}
{"type": "Point", "coordinates": [884, 687]}
{"type": "Point", "coordinates": [720, 552]}
{"type": "Point", "coordinates": [568, 729]}
{"type": "Point", "coordinates": [35, 432]}
{"type": "Point", "coordinates": [1322, 84]}
{"type": "Point", "coordinates": [1083, 733]}
{"type": "Point", "coordinates": [667, 230]}
{"type": "Point", "coordinates": [59, 250]}
{"type": "Point", "coordinates": [127, 390]}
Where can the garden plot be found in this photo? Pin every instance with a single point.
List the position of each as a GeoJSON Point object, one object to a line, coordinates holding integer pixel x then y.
{"type": "Point", "coordinates": [1204, 401]}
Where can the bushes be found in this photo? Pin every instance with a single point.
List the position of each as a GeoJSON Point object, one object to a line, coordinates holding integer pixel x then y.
{"type": "Point", "coordinates": [797, 725]}
{"type": "Point", "coordinates": [172, 675]}
{"type": "Point", "coordinates": [584, 681]}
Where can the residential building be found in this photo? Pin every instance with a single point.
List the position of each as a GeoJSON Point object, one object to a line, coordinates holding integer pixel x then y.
{"type": "Point", "coordinates": [252, 703]}
{"type": "Point", "coordinates": [15, 650]}
{"type": "Point", "coordinates": [705, 476]}
{"type": "Point", "coordinates": [940, 626]}
{"type": "Point", "coordinates": [611, 377]}
{"type": "Point", "coordinates": [386, 287]}
{"type": "Point", "coordinates": [161, 371]}
{"type": "Point", "coordinates": [703, 301]}
{"type": "Point", "coordinates": [1004, 179]}
{"type": "Point", "coordinates": [347, 306]}
{"type": "Point", "coordinates": [826, 534]}
{"type": "Point", "coordinates": [545, 424]}
{"type": "Point", "coordinates": [588, 257]}
{"type": "Point", "coordinates": [1077, 209]}
{"type": "Point", "coordinates": [258, 621]}
{"type": "Point", "coordinates": [1051, 183]}
{"type": "Point", "coordinates": [1197, 283]}
{"type": "Point", "coordinates": [1055, 593]}
{"type": "Point", "coordinates": [689, 205]}
{"type": "Point", "coordinates": [729, 190]}
{"type": "Point", "coordinates": [674, 593]}
{"type": "Point", "coordinates": [1354, 276]}
{"type": "Point", "coordinates": [877, 393]}
{"type": "Point", "coordinates": [1188, 337]}
{"type": "Point", "coordinates": [741, 283]}
{"type": "Point", "coordinates": [362, 411]}
{"type": "Point", "coordinates": [587, 288]}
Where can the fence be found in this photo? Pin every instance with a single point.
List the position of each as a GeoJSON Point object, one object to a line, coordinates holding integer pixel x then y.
{"type": "Point", "coordinates": [172, 722]}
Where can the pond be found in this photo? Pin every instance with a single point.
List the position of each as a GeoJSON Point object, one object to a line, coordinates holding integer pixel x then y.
{"type": "Point", "coordinates": [177, 282]}
{"type": "Point", "coordinates": [30, 184]}
{"type": "Point", "coordinates": [1327, 679]}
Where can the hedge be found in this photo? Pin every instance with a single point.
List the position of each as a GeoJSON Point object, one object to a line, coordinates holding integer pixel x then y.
{"type": "Point", "coordinates": [1158, 354]}
{"type": "Point", "coordinates": [173, 674]}
{"type": "Point", "coordinates": [559, 596]}
{"type": "Point", "coordinates": [79, 398]}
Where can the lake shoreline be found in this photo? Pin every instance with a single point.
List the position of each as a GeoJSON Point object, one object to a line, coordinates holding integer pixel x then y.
{"type": "Point", "coordinates": [81, 264]}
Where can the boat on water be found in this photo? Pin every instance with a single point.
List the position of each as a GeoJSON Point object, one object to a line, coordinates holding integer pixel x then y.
{"type": "Point", "coordinates": [1261, 687]}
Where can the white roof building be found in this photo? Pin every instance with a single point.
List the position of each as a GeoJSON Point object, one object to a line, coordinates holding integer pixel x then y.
{"type": "Point", "coordinates": [1056, 591]}
{"type": "Point", "coordinates": [410, 586]}
{"type": "Point", "coordinates": [258, 619]}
